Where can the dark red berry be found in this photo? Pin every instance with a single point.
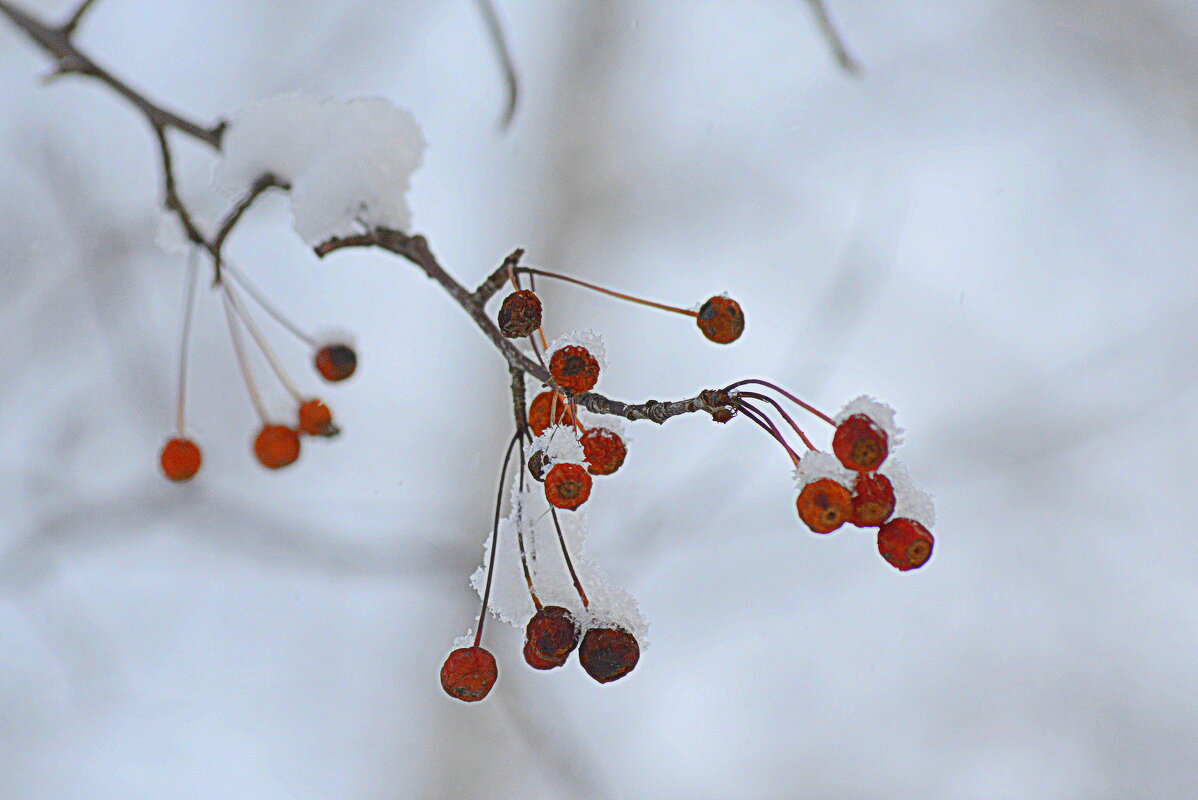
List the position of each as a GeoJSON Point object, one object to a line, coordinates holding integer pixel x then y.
{"type": "Point", "coordinates": [549, 638]}
{"type": "Point", "coordinates": [574, 368]}
{"type": "Point", "coordinates": [469, 673]}
{"type": "Point", "coordinates": [860, 444]}
{"type": "Point", "coordinates": [567, 486]}
{"type": "Point", "coordinates": [180, 459]}
{"type": "Point", "coordinates": [336, 362]}
{"type": "Point", "coordinates": [604, 450]}
{"type": "Point", "coordinates": [543, 406]}
{"type": "Point", "coordinates": [608, 654]}
{"type": "Point", "coordinates": [824, 505]}
{"type": "Point", "coordinates": [905, 543]}
{"type": "Point", "coordinates": [721, 320]}
{"type": "Point", "coordinates": [520, 314]}
{"type": "Point", "coordinates": [873, 500]}
{"type": "Point", "coordinates": [538, 465]}
{"type": "Point", "coordinates": [316, 419]}
{"type": "Point", "coordinates": [276, 446]}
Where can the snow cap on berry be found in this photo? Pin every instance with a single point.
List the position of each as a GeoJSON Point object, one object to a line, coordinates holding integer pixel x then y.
{"type": "Point", "coordinates": [586, 339]}
{"type": "Point", "coordinates": [909, 500]}
{"type": "Point", "coordinates": [879, 413]}
{"type": "Point", "coordinates": [817, 465]}
{"type": "Point", "coordinates": [560, 445]}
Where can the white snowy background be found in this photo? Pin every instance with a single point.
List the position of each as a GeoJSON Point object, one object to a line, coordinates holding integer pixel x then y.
{"type": "Point", "coordinates": [993, 230]}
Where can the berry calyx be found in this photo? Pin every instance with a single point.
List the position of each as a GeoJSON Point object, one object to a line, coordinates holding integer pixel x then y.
{"type": "Point", "coordinates": [604, 450]}
{"type": "Point", "coordinates": [905, 543]}
{"type": "Point", "coordinates": [315, 419]}
{"type": "Point", "coordinates": [567, 486]}
{"type": "Point", "coordinates": [824, 505]}
{"type": "Point", "coordinates": [873, 500]}
{"type": "Point", "coordinates": [469, 673]}
{"type": "Point", "coordinates": [574, 368]}
{"type": "Point", "coordinates": [538, 465]}
{"type": "Point", "coordinates": [549, 638]}
{"type": "Point", "coordinates": [541, 409]}
{"type": "Point", "coordinates": [180, 459]}
{"type": "Point", "coordinates": [520, 314]}
{"type": "Point", "coordinates": [860, 444]}
{"type": "Point", "coordinates": [721, 320]}
{"type": "Point", "coordinates": [336, 362]}
{"type": "Point", "coordinates": [608, 654]}
{"type": "Point", "coordinates": [276, 446]}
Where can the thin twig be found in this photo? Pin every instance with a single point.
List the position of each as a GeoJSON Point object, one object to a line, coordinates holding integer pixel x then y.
{"type": "Point", "coordinates": [71, 24]}
{"type": "Point", "coordinates": [482, 615]}
{"type": "Point", "coordinates": [499, 41]}
{"type": "Point", "coordinates": [824, 20]}
{"type": "Point", "coordinates": [755, 414]}
{"type": "Point", "coordinates": [778, 407]}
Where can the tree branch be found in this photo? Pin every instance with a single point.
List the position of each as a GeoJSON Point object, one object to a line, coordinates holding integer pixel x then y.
{"type": "Point", "coordinates": [499, 41]}
{"type": "Point", "coordinates": [71, 24]}
{"type": "Point", "coordinates": [824, 20]}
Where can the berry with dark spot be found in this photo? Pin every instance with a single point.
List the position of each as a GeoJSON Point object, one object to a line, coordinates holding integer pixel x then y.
{"type": "Point", "coordinates": [860, 444]}
{"type": "Point", "coordinates": [549, 638]}
{"type": "Point", "coordinates": [873, 500]}
{"type": "Point", "coordinates": [721, 320]}
{"type": "Point", "coordinates": [180, 459]}
{"type": "Point", "coordinates": [469, 673]}
{"type": "Point", "coordinates": [336, 362]}
{"type": "Point", "coordinates": [574, 368]}
{"type": "Point", "coordinates": [905, 543]}
{"type": "Point", "coordinates": [567, 486]}
{"type": "Point", "coordinates": [608, 654]}
{"type": "Point", "coordinates": [824, 505]}
{"type": "Point", "coordinates": [520, 314]}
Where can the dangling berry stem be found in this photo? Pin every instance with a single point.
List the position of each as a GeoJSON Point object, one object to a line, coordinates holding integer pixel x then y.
{"type": "Point", "coordinates": [536, 601]}
{"type": "Point", "coordinates": [263, 345]}
{"type": "Point", "coordinates": [482, 615]}
{"type": "Point", "coordinates": [787, 395]}
{"type": "Point", "coordinates": [193, 269]}
{"type": "Point", "coordinates": [260, 298]}
{"type": "Point", "coordinates": [785, 416]}
{"type": "Point", "coordinates": [569, 564]}
{"type": "Point", "coordinates": [755, 414]}
{"type": "Point", "coordinates": [610, 292]}
{"type": "Point", "coordinates": [242, 362]}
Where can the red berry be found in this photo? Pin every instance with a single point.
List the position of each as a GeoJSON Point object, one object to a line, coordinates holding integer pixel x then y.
{"type": "Point", "coordinates": [860, 444]}
{"type": "Point", "coordinates": [520, 314]}
{"type": "Point", "coordinates": [604, 450]}
{"type": "Point", "coordinates": [721, 320]}
{"type": "Point", "coordinates": [608, 654]}
{"type": "Point", "coordinates": [567, 486]}
{"type": "Point", "coordinates": [549, 638]}
{"type": "Point", "coordinates": [905, 543]}
{"type": "Point", "coordinates": [180, 459]}
{"type": "Point", "coordinates": [336, 362]}
{"type": "Point", "coordinates": [315, 419]}
{"type": "Point", "coordinates": [824, 505]}
{"type": "Point", "coordinates": [540, 409]}
{"type": "Point", "coordinates": [574, 368]}
{"type": "Point", "coordinates": [276, 446]}
{"type": "Point", "coordinates": [469, 673]}
{"type": "Point", "coordinates": [873, 500]}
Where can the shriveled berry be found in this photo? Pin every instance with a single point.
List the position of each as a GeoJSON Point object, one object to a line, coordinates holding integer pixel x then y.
{"type": "Point", "coordinates": [905, 543]}
{"type": "Point", "coordinates": [542, 408]}
{"type": "Point", "coordinates": [721, 320]}
{"type": "Point", "coordinates": [180, 459]}
{"type": "Point", "coordinates": [860, 444]}
{"type": "Point", "coordinates": [520, 314]}
{"type": "Point", "coordinates": [469, 673]}
{"type": "Point", "coordinates": [276, 446]}
{"type": "Point", "coordinates": [824, 505]}
{"type": "Point", "coordinates": [873, 500]}
{"type": "Point", "coordinates": [336, 362]}
{"type": "Point", "coordinates": [574, 368]}
{"type": "Point", "coordinates": [722, 415]}
{"type": "Point", "coordinates": [315, 419]}
{"type": "Point", "coordinates": [538, 465]}
{"type": "Point", "coordinates": [604, 450]}
{"type": "Point", "coordinates": [608, 654]}
{"type": "Point", "coordinates": [567, 486]}
{"type": "Point", "coordinates": [549, 638]}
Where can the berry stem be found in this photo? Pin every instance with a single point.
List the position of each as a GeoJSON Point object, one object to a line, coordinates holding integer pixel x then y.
{"type": "Point", "coordinates": [532, 285]}
{"type": "Point", "coordinates": [785, 416]}
{"type": "Point", "coordinates": [193, 269]}
{"type": "Point", "coordinates": [785, 394]}
{"type": "Point", "coordinates": [536, 601]}
{"type": "Point", "coordinates": [482, 615]}
{"type": "Point", "coordinates": [569, 564]}
{"type": "Point", "coordinates": [609, 292]}
{"type": "Point", "coordinates": [260, 298]}
{"type": "Point", "coordinates": [263, 345]}
{"type": "Point", "coordinates": [755, 414]}
{"type": "Point", "coordinates": [239, 349]}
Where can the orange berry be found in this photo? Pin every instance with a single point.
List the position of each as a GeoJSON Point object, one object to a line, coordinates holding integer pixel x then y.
{"type": "Point", "coordinates": [721, 320]}
{"type": "Point", "coordinates": [860, 444]}
{"type": "Point", "coordinates": [336, 362]}
{"type": "Point", "coordinates": [567, 486]}
{"type": "Point", "coordinates": [873, 500]}
{"type": "Point", "coordinates": [520, 314]}
{"type": "Point", "coordinates": [469, 673]}
{"type": "Point", "coordinates": [315, 418]}
{"type": "Point", "coordinates": [604, 450]}
{"type": "Point", "coordinates": [549, 638]}
{"type": "Point", "coordinates": [180, 459]}
{"type": "Point", "coordinates": [824, 505]}
{"type": "Point", "coordinates": [905, 543]}
{"type": "Point", "coordinates": [574, 368]}
{"type": "Point", "coordinates": [608, 654]}
{"type": "Point", "coordinates": [540, 409]}
{"type": "Point", "coordinates": [276, 446]}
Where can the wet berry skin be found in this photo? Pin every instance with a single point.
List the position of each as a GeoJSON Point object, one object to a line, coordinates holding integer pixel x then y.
{"type": "Point", "coordinates": [520, 314]}
{"type": "Point", "coordinates": [549, 638]}
{"type": "Point", "coordinates": [608, 654]}
{"type": "Point", "coordinates": [469, 673]}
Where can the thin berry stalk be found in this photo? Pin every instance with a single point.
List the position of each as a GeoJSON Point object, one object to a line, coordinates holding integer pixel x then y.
{"type": "Point", "coordinates": [806, 406]}
{"type": "Point", "coordinates": [193, 270]}
{"type": "Point", "coordinates": [482, 615]}
{"type": "Point", "coordinates": [609, 292]}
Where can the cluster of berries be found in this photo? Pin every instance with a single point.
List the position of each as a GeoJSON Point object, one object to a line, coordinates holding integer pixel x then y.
{"type": "Point", "coordinates": [275, 445]}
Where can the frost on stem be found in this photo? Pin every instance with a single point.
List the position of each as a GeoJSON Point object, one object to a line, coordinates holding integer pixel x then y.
{"type": "Point", "coordinates": [349, 162]}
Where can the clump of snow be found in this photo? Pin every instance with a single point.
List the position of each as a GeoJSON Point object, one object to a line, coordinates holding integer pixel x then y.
{"type": "Point", "coordinates": [880, 413]}
{"type": "Point", "coordinates": [560, 445]}
{"type": "Point", "coordinates": [465, 640]}
{"type": "Point", "coordinates": [605, 421]}
{"type": "Point", "coordinates": [909, 500]}
{"type": "Point", "coordinates": [817, 465]}
{"type": "Point", "coordinates": [586, 338]}
{"type": "Point", "coordinates": [349, 163]}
